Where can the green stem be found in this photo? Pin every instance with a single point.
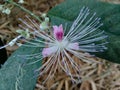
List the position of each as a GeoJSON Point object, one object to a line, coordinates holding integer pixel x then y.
{"type": "Point", "coordinates": [25, 10]}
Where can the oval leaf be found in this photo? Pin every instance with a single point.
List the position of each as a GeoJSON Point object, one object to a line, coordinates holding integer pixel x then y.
{"type": "Point", "coordinates": [15, 74]}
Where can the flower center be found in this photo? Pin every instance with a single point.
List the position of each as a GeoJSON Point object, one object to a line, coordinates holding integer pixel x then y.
{"type": "Point", "coordinates": [62, 44]}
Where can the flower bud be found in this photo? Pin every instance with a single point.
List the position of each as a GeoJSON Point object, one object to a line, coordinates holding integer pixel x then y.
{"type": "Point", "coordinates": [44, 25]}
{"type": "Point", "coordinates": [21, 1]}
{"type": "Point", "coordinates": [6, 11]}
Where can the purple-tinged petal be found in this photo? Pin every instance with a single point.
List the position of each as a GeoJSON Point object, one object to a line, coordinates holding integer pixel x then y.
{"type": "Point", "coordinates": [58, 32]}
{"type": "Point", "coordinates": [48, 51]}
{"type": "Point", "coordinates": [74, 46]}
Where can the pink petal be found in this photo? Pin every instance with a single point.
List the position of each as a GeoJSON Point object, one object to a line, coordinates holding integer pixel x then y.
{"type": "Point", "coordinates": [74, 46]}
{"type": "Point", "coordinates": [58, 32]}
{"type": "Point", "coordinates": [48, 51]}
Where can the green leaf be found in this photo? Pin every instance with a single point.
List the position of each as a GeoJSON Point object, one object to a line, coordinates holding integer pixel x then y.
{"type": "Point", "coordinates": [15, 74]}
{"type": "Point", "coordinates": [109, 14]}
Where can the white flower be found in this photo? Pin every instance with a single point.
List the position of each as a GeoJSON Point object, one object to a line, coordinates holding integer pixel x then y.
{"type": "Point", "coordinates": [60, 43]}
{"type": "Point", "coordinates": [44, 15]}
{"type": "Point", "coordinates": [6, 11]}
{"type": "Point", "coordinates": [45, 24]}
{"type": "Point", "coordinates": [83, 36]}
{"type": "Point", "coordinates": [21, 1]}
{"type": "Point", "coordinates": [24, 33]}
{"type": "Point", "coordinates": [1, 7]}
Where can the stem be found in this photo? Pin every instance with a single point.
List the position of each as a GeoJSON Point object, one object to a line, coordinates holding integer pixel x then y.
{"type": "Point", "coordinates": [25, 10]}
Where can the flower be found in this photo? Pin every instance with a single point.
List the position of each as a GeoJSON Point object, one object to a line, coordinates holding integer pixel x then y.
{"type": "Point", "coordinates": [84, 36]}
{"type": "Point", "coordinates": [45, 24]}
{"type": "Point", "coordinates": [60, 43]}
{"type": "Point", "coordinates": [21, 1]}
{"type": "Point", "coordinates": [24, 33]}
{"type": "Point", "coordinates": [1, 7]}
{"type": "Point", "coordinates": [6, 11]}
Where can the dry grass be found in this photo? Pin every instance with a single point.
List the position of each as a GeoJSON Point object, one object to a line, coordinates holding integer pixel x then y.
{"type": "Point", "coordinates": [104, 76]}
{"type": "Point", "coordinates": [94, 76]}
